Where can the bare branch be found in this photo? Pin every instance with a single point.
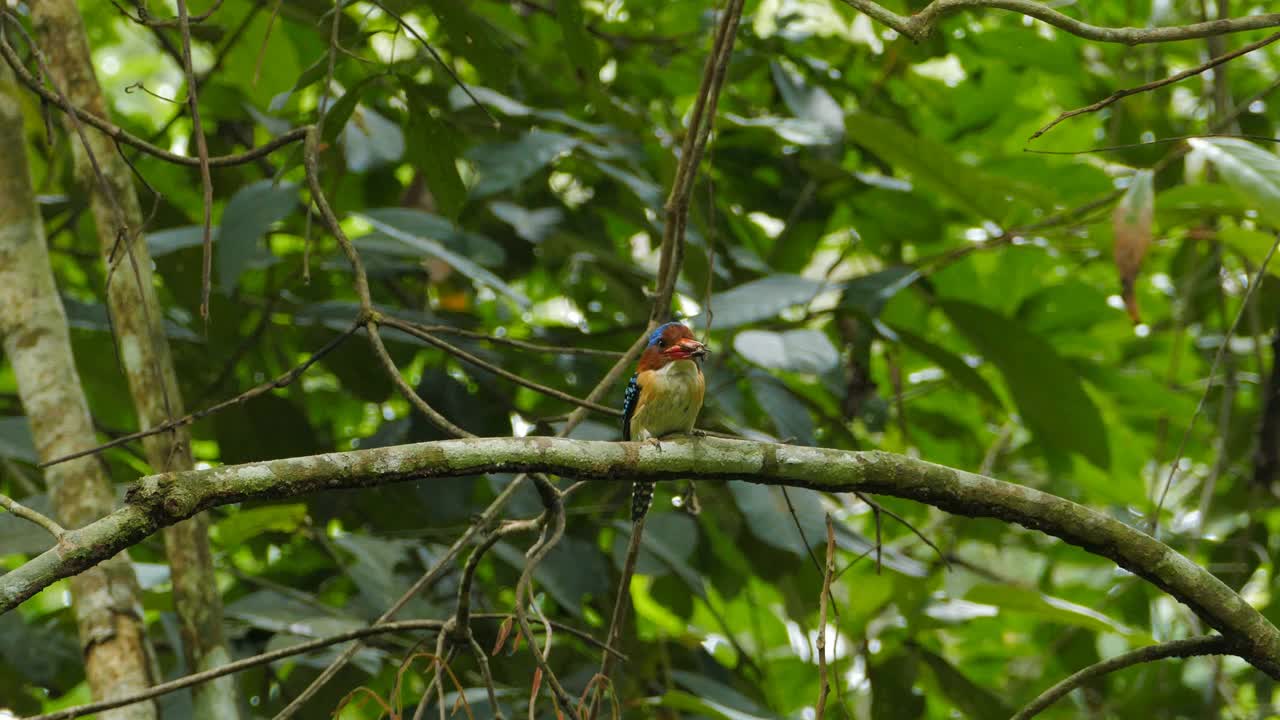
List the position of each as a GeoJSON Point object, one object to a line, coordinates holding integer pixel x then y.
{"type": "Point", "coordinates": [1191, 647]}
{"type": "Point", "coordinates": [26, 513]}
{"type": "Point", "coordinates": [243, 397]}
{"type": "Point", "coordinates": [920, 25]}
{"type": "Point", "coordinates": [1176, 77]}
{"type": "Point", "coordinates": [160, 500]}
{"type": "Point", "coordinates": [824, 687]}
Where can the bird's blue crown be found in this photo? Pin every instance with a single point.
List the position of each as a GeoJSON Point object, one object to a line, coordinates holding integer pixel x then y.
{"type": "Point", "coordinates": [657, 334]}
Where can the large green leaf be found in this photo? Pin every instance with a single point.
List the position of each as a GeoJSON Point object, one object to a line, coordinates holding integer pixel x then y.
{"type": "Point", "coordinates": [248, 216]}
{"type": "Point", "coordinates": [391, 224]}
{"type": "Point", "coordinates": [1249, 169]}
{"type": "Point", "coordinates": [1044, 607]}
{"type": "Point", "coordinates": [803, 350]}
{"type": "Point", "coordinates": [1047, 390]}
{"type": "Point", "coordinates": [975, 701]}
{"type": "Point", "coordinates": [761, 299]}
{"type": "Point", "coordinates": [952, 364]}
{"type": "Point", "coordinates": [809, 103]}
{"type": "Point", "coordinates": [771, 521]}
{"type": "Point", "coordinates": [503, 166]}
{"type": "Point", "coordinates": [931, 165]}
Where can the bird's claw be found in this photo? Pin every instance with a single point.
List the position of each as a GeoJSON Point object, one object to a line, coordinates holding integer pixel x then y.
{"type": "Point", "coordinates": [656, 442]}
{"type": "Point", "coordinates": [697, 433]}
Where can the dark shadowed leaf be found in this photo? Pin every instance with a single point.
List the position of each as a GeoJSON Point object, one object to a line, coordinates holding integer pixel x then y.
{"type": "Point", "coordinates": [953, 365]}
{"type": "Point", "coordinates": [770, 520]}
{"type": "Point", "coordinates": [1046, 389]}
{"type": "Point", "coordinates": [869, 293]}
{"type": "Point", "coordinates": [532, 225]}
{"type": "Point", "coordinates": [248, 216]}
{"type": "Point", "coordinates": [976, 702]}
{"type": "Point", "coordinates": [893, 692]}
{"type": "Point", "coordinates": [16, 441]}
{"type": "Point", "coordinates": [503, 166]}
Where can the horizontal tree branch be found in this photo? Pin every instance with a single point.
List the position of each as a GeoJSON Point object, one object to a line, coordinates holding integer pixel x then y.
{"type": "Point", "coordinates": [920, 25]}
{"type": "Point", "coordinates": [160, 500]}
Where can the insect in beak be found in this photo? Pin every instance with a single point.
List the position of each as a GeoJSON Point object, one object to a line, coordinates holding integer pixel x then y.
{"type": "Point", "coordinates": [689, 347]}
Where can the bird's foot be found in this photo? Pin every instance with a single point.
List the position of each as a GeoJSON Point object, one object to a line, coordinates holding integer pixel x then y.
{"type": "Point", "coordinates": [656, 442]}
{"type": "Point", "coordinates": [697, 433]}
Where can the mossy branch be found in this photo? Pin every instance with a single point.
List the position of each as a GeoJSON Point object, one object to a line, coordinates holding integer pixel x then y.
{"type": "Point", "coordinates": [160, 500]}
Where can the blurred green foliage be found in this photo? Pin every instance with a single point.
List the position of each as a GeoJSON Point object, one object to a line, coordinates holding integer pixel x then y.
{"type": "Point", "coordinates": [848, 249]}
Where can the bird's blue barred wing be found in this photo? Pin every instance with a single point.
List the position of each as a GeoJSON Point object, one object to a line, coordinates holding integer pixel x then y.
{"type": "Point", "coordinates": [629, 402]}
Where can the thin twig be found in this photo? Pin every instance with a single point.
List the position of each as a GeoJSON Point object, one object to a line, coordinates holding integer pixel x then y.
{"type": "Point", "coordinates": [119, 135]}
{"type": "Point", "coordinates": [920, 25]}
{"type": "Point", "coordinates": [824, 687]}
{"type": "Point", "coordinates": [262, 389]}
{"type": "Point", "coordinates": [202, 153]}
{"type": "Point", "coordinates": [1191, 647]}
{"type": "Point", "coordinates": [458, 352]}
{"type": "Point", "coordinates": [1176, 77]}
{"type": "Point", "coordinates": [233, 667]}
{"type": "Point", "coordinates": [26, 513]}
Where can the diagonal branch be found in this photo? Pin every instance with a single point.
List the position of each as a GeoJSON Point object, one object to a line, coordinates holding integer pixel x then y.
{"type": "Point", "coordinates": [161, 500]}
{"type": "Point", "coordinates": [920, 25]}
{"type": "Point", "coordinates": [1147, 87]}
{"type": "Point", "coordinates": [1191, 647]}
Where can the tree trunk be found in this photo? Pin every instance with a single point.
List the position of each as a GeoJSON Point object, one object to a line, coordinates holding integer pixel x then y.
{"type": "Point", "coordinates": [137, 320]}
{"type": "Point", "coordinates": [36, 340]}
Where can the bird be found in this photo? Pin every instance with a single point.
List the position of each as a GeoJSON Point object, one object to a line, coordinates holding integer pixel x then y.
{"type": "Point", "coordinates": [663, 398]}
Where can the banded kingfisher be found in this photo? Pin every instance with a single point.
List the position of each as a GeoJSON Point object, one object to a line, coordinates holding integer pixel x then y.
{"type": "Point", "coordinates": [663, 397]}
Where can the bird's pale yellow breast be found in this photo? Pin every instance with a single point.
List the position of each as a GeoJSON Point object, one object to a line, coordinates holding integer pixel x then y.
{"type": "Point", "coordinates": [670, 399]}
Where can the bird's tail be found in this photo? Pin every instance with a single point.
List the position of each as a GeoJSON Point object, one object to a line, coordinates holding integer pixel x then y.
{"type": "Point", "coordinates": [641, 498]}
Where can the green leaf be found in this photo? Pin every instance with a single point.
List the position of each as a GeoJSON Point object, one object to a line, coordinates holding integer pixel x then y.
{"type": "Point", "coordinates": [931, 165]}
{"type": "Point", "coordinates": [1044, 607]}
{"type": "Point", "coordinates": [668, 550]}
{"type": "Point", "coordinates": [244, 525]}
{"type": "Point", "coordinates": [770, 519]}
{"type": "Point", "coordinates": [952, 364]}
{"type": "Point", "coordinates": [572, 570]}
{"type": "Point", "coordinates": [473, 38]}
{"type": "Point", "coordinates": [803, 350]}
{"type": "Point", "coordinates": [1047, 390]}
{"type": "Point", "coordinates": [248, 216]}
{"type": "Point", "coordinates": [16, 441]}
{"type": "Point", "coordinates": [810, 103]}
{"type": "Point", "coordinates": [761, 299]}
{"type": "Point", "coordinates": [503, 166]}
{"type": "Point", "coordinates": [532, 225]}
{"type": "Point", "coordinates": [790, 416]}
{"type": "Point", "coordinates": [370, 141]}
{"type": "Point", "coordinates": [163, 242]}
{"type": "Point", "coordinates": [436, 250]}
{"type": "Point", "coordinates": [893, 681]}
{"type": "Point", "coordinates": [434, 149]}
{"type": "Point", "coordinates": [976, 702]}
{"type": "Point", "coordinates": [1252, 244]}
{"type": "Point", "coordinates": [870, 293]}
{"type": "Point", "coordinates": [473, 246]}
{"type": "Point", "coordinates": [1252, 171]}
{"type": "Point", "coordinates": [680, 700]}
{"type": "Point", "coordinates": [577, 41]}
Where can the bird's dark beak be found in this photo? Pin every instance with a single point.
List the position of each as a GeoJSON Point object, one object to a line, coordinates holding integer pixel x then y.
{"type": "Point", "coordinates": [692, 348]}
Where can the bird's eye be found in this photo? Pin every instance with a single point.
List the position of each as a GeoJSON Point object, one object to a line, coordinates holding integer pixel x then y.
{"type": "Point", "coordinates": [662, 343]}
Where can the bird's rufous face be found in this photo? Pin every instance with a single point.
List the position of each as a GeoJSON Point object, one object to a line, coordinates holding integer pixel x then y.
{"type": "Point", "coordinates": [677, 343]}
